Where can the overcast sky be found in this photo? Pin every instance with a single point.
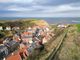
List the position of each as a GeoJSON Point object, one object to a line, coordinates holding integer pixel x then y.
{"type": "Point", "coordinates": [39, 8]}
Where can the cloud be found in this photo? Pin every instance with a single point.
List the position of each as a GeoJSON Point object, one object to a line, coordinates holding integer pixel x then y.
{"type": "Point", "coordinates": [54, 2]}
{"type": "Point", "coordinates": [5, 0]}
{"type": "Point", "coordinates": [62, 8]}
{"type": "Point", "coordinates": [16, 1]}
{"type": "Point", "coordinates": [39, 8]}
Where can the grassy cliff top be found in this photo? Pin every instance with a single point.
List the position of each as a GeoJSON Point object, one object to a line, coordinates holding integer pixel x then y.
{"type": "Point", "coordinates": [23, 22]}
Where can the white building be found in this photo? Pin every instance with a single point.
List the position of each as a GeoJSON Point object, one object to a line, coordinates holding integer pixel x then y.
{"type": "Point", "coordinates": [8, 28]}
{"type": "Point", "coordinates": [62, 26]}
{"type": "Point", "coordinates": [1, 28]}
{"type": "Point", "coordinates": [15, 28]}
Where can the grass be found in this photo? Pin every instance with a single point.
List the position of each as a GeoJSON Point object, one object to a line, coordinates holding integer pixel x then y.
{"type": "Point", "coordinates": [70, 50]}
{"type": "Point", "coordinates": [78, 27]}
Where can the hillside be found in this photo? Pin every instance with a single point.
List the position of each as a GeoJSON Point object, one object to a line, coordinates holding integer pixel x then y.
{"type": "Point", "coordinates": [23, 22]}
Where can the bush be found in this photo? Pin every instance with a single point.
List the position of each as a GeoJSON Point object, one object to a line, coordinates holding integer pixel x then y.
{"type": "Point", "coordinates": [78, 27]}
{"type": "Point", "coordinates": [2, 35]}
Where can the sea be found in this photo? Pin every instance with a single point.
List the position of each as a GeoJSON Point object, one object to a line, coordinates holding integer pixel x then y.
{"type": "Point", "coordinates": [50, 20]}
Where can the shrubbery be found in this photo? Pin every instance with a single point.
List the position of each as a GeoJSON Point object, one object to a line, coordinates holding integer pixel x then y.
{"type": "Point", "coordinates": [78, 27]}
{"type": "Point", "coordinates": [2, 35]}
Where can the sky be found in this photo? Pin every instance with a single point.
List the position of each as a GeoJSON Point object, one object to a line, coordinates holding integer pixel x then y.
{"type": "Point", "coordinates": [39, 8]}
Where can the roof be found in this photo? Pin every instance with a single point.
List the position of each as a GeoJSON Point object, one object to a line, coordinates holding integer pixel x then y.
{"type": "Point", "coordinates": [26, 33]}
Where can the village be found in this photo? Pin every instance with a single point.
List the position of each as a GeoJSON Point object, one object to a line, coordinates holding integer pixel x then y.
{"type": "Point", "coordinates": [23, 43]}
{"type": "Point", "coordinates": [20, 44]}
